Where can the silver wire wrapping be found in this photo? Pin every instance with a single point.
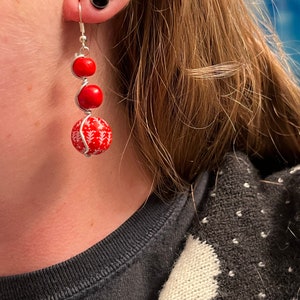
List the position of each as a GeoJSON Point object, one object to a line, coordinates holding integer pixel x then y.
{"type": "Point", "coordinates": [83, 52]}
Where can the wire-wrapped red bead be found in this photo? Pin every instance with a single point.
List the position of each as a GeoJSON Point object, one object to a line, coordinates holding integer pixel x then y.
{"type": "Point", "coordinates": [97, 134]}
{"type": "Point", "coordinates": [90, 96]}
{"type": "Point", "coordinates": [84, 67]}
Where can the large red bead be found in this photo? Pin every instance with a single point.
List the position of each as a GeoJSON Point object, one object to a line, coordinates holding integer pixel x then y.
{"type": "Point", "coordinates": [90, 96]}
{"type": "Point", "coordinates": [97, 133]}
{"type": "Point", "coordinates": [84, 66]}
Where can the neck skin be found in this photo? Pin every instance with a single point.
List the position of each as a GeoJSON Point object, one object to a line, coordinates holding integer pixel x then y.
{"type": "Point", "coordinates": [54, 202]}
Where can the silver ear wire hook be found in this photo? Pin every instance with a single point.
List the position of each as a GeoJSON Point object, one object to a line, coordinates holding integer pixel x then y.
{"type": "Point", "coordinates": [81, 25]}
{"type": "Point", "coordinates": [84, 50]}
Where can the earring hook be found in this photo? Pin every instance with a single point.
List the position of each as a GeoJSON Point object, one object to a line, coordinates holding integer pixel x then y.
{"type": "Point", "coordinates": [81, 24]}
{"type": "Point", "coordinates": [84, 50]}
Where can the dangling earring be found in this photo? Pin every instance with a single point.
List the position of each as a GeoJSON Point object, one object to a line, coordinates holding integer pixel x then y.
{"type": "Point", "coordinates": [90, 135]}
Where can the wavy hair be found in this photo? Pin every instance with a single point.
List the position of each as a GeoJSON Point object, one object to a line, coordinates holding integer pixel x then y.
{"type": "Point", "coordinates": [200, 78]}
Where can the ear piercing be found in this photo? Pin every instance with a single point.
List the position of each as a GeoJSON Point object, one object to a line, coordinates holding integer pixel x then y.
{"type": "Point", "coordinates": [90, 135]}
{"type": "Point", "coordinates": [99, 4]}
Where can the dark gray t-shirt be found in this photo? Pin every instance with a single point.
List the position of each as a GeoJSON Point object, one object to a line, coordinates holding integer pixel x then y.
{"type": "Point", "coordinates": [131, 263]}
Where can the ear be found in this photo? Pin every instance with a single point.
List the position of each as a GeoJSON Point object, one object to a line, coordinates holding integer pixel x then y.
{"type": "Point", "coordinates": [90, 14]}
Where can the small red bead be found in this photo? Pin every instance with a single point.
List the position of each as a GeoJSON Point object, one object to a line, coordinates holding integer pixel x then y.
{"type": "Point", "coordinates": [90, 96]}
{"type": "Point", "coordinates": [84, 66]}
{"type": "Point", "coordinates": [97, 133]}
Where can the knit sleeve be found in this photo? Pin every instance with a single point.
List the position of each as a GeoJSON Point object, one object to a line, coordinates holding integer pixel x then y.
{"type": "Point", "coordinates": [244, 242]}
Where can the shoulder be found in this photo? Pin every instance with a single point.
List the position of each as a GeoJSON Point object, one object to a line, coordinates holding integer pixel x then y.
{"type": "Point", "coordinates": [244, 241]}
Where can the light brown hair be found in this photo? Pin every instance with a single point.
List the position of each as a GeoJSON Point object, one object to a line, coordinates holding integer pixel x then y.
{"type": "Point", "coordinates": [201, 78]}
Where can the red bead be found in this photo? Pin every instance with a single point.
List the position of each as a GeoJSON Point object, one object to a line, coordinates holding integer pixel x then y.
{"type": "Point", "coordinates": [97, 133]}
{"type": "Point", "coordinates": [84, 66]}
{"type": "Point", "coordinates": [90, 96]}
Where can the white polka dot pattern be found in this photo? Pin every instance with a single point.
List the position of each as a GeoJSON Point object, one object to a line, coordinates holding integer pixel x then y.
{"type": "Point", "coordinates": [251, 223]}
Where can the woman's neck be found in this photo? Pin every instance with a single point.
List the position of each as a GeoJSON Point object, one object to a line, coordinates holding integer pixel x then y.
{"type": "Point", "coordinates": [61, 203]}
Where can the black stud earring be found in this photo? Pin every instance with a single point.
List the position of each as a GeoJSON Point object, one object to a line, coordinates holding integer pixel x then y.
{"type": "Point", "coordinates": [99, 4]}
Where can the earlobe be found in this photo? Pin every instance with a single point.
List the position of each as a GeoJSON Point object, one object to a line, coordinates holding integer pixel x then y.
{"type": "Point", "coordinates": [90, 14]}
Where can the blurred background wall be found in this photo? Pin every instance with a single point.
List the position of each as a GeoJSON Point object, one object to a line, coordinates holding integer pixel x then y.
{"type": "Point", "coordinates": [285, 15]}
